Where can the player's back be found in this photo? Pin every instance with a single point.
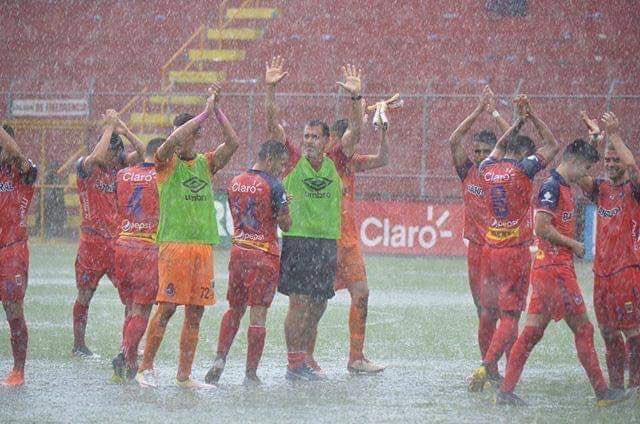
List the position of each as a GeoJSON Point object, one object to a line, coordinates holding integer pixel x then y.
{"type": "Point", "coordinates": [507, 185]}
{"type": "Point", "coordinates": [97, 192]}
{"type": "Point", "coordinates": [556, 199]}
{"type": "Point", "coordinates": [617, 226]}
{"type": "Point", "coordinates": [16, 192]}
{"type": "Point", "coordinates": [254, 197]}
{"type": "Point", "coordinates": [137, 200]}
{"type": "Point", "coordinates": [472, 197]}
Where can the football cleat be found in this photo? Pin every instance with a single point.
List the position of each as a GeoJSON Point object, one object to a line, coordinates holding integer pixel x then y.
{"type": "Point", "coordinates": [493, 382]}
{"type": "Point", "coordinates": [302, 373]}
{"type": "Point", "coordinates": [613, 396]}
{"type": "Point", "coordinates": [478, 379]}
{"type": "Point", "coordinates": [252, 380]}
{"type": "Point", "coordinates": [14, 379]}
{"type": "Point", "coordinates": [147, 378]}
{"type": "Point", "coordinates": [213, 375]}
{"type": "Point", "coordinates": [364, 366]}
{"type": "Point", "coordinates": [192, 384]}
{"type": "Point", "coordinates": [315, 367]}
{"type": "Point", "coordinates": [118, 368]}
{"type": "Point", "coordinates": [84, 353]}
{"type": "Point", "coordinates": [502, 398]}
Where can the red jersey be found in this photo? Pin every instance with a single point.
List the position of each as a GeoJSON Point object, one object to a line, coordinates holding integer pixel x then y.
{"type": "Point", "coordinates": [137, 200]}
{"type": "Point", "coordinates": [556, 199]}
{"type": "Point", "coordinates": [507, 184]}
{"type": "Point", "coordinates": [16, 192]}
{"type": "Point", "coordinates": [617, 231]}
{"type": "Point", "coordinates": [255, 200]}
{"type": "Point", "coordinates": [97, 192]}
{"type": "Point", "coordinates": [472, 197]}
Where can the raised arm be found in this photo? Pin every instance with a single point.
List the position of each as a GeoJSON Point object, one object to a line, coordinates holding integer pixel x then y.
{"type": "Point", "coordinates": [550, 147]}
{"type": "Point", "coordinates": [13, 152]}
{"type": "Point", "coordinates": [491, 109]}
{"type": "Point", "coordinates": [353, 85]}
{"type": "Point", "coordinates": [273, 75]}
{"type": "Point", "coordinates": [367, 162]}
{"type": "Point", "coordinates": [501, 146]}
{"type": "Point", "coordinates": [455, 139]}
{"type": "Point", "coordinates": [612, 125]}
{"type": "Point", "coordinates": [545, 229]}
{"type": "Point", "coordinates": [137, 144]}
{"type": "Point", "coordinates": [587, 183]}
{"type": "Point", "coordinates": [100, 153]}
{"type": "Point", "coordinates": [224, 151]}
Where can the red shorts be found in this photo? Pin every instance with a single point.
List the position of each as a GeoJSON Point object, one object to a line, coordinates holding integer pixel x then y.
{"type": "Point", "coordinates": [14, 271]}
{"type": "Point", "coordinates": [95, 259]}
{"type": "Point", "coordinates": [616, 299]}
{"type": "Point", "coordinates": [253, 277]}
{"type": "Point", "coordinates": [351, 267]}
{"type": "Point", "coordinates": [555, 292]}
{"type": "Point", "coordinates": [505, 277]}
{"type": "Point", "coordinates": [136, 263]}
{"type": "Point", "coordinates": [474, 268]}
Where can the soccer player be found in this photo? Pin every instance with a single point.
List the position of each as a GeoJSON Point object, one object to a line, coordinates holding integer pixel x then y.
{"type": "Point", "coordinates": [616, 296]}
{"type": "Point", "coordinates": [258, 205]}
{"type": "Point", "coordinates": [472, 195]}
{"type": "Point", "coordinates": [100, 225]}
{"type": "Point", "coordinates": [136, 255]}
{"type": "Point", "coordinates": [555, 293]}
{"type": "Point", "coordinates": [17, 176]}
{"type": "Point", "coordinates": [309, 248]}
{"type": "Point", "coordinates": [187, 231]}
{"type": "Point", "coordinates": [507, 179]}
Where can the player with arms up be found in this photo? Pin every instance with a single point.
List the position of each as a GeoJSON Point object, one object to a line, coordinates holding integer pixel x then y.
{"type": "Point", "coordinates": [616, 296]}
{"type": "Point", "coordinates": [100, 224]}
{"type": "Point", "coordinates": [472, 195]}
{"type": "Point", "coordinates": [17, 177]}
{"type": "Point", "coordinates": [556, 294]}
{"type": "Point", "coordinates": [187, 231]}
{"type": "Point", "coordinates": [258, 205]}
{"type": "Point", "coordinates": [507, 181]}
{"type": "Point", "coordinates": [136, 254]}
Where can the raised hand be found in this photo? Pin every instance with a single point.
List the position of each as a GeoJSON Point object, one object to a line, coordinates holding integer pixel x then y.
{"type": "Point", "coordinates": [352, 80]}
{"type": "Point", "coordinates": [489, 99]}
{"type": "Point", "coordinates": [611, 123]}
{"type": "Point", "coordinates": [274, 73]}
{"type": "Point", "coordinates": [523, 106]}
{"type": "Point", "coordinates": [578, 249]}
{"type": "Point", "coordinates": [111, 117]}
{"type": "Point", "coordinates": [214, 96]}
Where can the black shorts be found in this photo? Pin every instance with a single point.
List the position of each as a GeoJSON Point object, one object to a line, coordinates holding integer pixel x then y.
{"type": "Point", "coordinates": [308, 267]}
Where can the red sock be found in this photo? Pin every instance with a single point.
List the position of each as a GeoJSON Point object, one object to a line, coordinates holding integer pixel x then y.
{"type": "Point", "coordinates": [228, 330]}
{"type": "Point", "coordinates": [589, 358]}
{"type": "Point", "coordinates": [634, 361]}
{"type": "Point", "coordinates": [19, 341]}
{"type": "Point", "coordinates": [486, 328]}
{"type": "Point", "coordinates": [80, 313]}
{"type": "Point", "coordinates": [616, 353]}
{"type": "Point", "coordinates": [296, 359]}
{"type": "Point", "coordinates": [255, 338]}
{"type": "Point", "coordinates": [506, 332]}
{"type": "Point", "coordinates": [132, 336]}
{"type": "Point", "coordinates": [523, 346]}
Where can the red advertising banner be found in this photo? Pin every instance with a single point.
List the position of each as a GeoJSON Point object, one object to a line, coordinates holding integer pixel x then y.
{"type": "Point", "coordinates": [411, 228]}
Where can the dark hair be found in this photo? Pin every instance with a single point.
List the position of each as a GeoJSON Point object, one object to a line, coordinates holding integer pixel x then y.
{"type": "Point", "coordinates": [9, 130]}
{"type": "Point", "coordinates": [153, 146]}
{"type": "Point", "coordinates": [272, 149]}
{"type": "Point", "coordinates": [340, 127]}
{"type": "Point", "coordinates": [521, 144]}
{"type": "Point", "coordinates": [182, 119]}
{"type": "Point", "coordinates": [581, 150]}
{"type": "Point", "coordinates": [486, 137]}
{"type": "Point", "coordinates": [115, 143]}
{"type": "Point", "coordinates": [319, 123]}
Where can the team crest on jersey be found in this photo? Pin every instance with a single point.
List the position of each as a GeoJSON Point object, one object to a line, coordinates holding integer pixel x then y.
{"type": "Point", "coordinates": [547, 197]}
{"type": "Point", "coordinates": [628, 307]}
{"type": "Point", "coordinates": [194, 184]}
{"type": "Point", "coordinates": [170, 290]}
{"type": "Point", "coordinates": [540, 255]}
{"type": "Point", "coordinates": [578, 299]}
{"type": "Point", "coordinates": [317, 183]}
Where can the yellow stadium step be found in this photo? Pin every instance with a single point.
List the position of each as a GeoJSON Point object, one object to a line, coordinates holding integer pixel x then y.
{"type": "Point", "coordinates": [177, 100]}
{"type": "Point", "coordinates": [252, 13]}
{"type": "Point", "coordinates": [151, 119]}
{"type": "Point", "coordinates": [241, 34]}
{"type": "Point", "coordinates": [223, 55]}
{"type": "Point", "coordinates": [196, 77]}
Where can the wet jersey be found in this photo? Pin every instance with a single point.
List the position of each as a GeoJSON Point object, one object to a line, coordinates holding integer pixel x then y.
{"type": "Point", "coordinates": [137, 199]}
{"type": "Point", "coordinates": [255, 200]}
{"type": "Point", "coordinates": [16, 192]}
{"type": "Point", "coordinates": [555, 198]}
{"type": "Point", "coordinates": [507, 185]}
{"type": "Point", "coordinates": [617, 232]}
{"type": "Point", "coordinates": [97, 192]}
{"type": "Point", "coordinates": [472, 197]}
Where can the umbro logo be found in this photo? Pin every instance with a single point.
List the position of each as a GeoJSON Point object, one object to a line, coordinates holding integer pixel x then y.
{"type": "Point", "coordinates": [195, 184]}
{"type": "Point", "coordinates": [317, 183]}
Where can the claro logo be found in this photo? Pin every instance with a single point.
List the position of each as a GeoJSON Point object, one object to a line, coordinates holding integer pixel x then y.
{"type": "Point", "coordinates": [375, 231]}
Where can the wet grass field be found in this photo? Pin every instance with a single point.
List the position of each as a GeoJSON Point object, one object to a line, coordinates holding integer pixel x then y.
{"type": "Point", "coordinates": [422, 324]}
